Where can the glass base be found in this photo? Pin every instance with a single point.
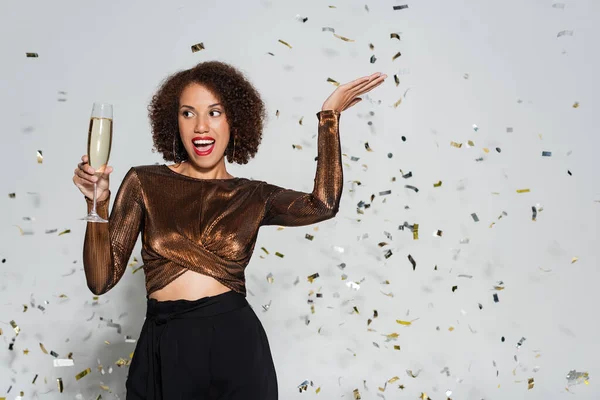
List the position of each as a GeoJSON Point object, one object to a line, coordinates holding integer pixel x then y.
{"type": "Point", "coordinates": [93, 217]}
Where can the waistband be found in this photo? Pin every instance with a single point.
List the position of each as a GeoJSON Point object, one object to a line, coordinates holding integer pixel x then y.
{"type": "Point", "coordinates": [159, 313]}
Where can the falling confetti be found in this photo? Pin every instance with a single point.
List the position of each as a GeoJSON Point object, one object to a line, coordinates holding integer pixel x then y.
{"type": "Point", "coordinates": [197, 47]}
{"type": "Point", "coordinates": [32, 55]}
{"type": "Point", "coordinates": [40, 157]}
{"type": "Point", "coordinates": [564, 33]}
{"type": "Point", "coordinates": [345, 39]}
{"type": "Point", "coordinates": [396, 56]}
{"type": "Point", "coordinates": [402, 7]}
{"type": "Point", "coordinates": [394, 36]}
{"type": "Point", "coordinates": [285, 43]}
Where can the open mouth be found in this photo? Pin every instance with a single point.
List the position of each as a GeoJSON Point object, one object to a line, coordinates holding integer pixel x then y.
{"type": "Point", "coordinates": [203, 147]}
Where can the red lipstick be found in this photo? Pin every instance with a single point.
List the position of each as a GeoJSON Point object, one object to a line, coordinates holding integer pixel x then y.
{"type": "Point", "coordinates": [206, 149]}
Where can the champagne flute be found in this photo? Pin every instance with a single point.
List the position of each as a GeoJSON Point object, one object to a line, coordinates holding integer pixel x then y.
{"type": "Point", "coordinates": [98, 149]}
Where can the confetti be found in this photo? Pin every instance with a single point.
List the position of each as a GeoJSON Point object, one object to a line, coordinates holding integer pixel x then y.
{"type": "Point", "coordinates": [576, 378]}
{"type": "Point", "coordinates": [373, 59]}
{"type": "Point", "coordinates": [197, 47]}
{"type": "Point", "coordinates": [59, 382]}
{"type": "Point", "coordinates": [396, 80]}
{"type": "Point", "coordinates": [398, 54]}
{"type": "Point", "coordinates": [520, 343]}
{"type": "Point", "coordinates": [368, 147]}
{"type": "Point", "coordinates": [32, 55]}
{"type": "Point", "coordinates": [405, 323]}
{"type": "Point", "coordinates": [412, 374]}
{"type": "Point", "coordinates": [40, 157]}
{"type": "Point", "coordinates": [397, 103]}
{"type": "Point", "coordinates": [475, 217]}
{"type": "Point", "coordinates": [83, 373]}
{"type": "Point", "coordinates": [412, 261]}
{"type": "Point", "coordinates": [438, 184]}
{"type": "Point", "coordinates": [523, 190]}
{"type": "Point", "coordinates": [394, 36]}
{"type": "Point", "coordinates": [574, 260]}
{"type": "Point", "coordinates": [327, 29]}
{"type": "Point", "coordinates": [576, 105]}
{"type": "Point", "coordinates": [412, 188]}
{"type": "Point", "coordinates": [345, 39]}
{"type": "Point", "coordinates": [457, 145]}
{"type": "Point", "coordinates": [564, 33]}
{"type": "Point", "coordinates": [496, 300]}
{"type": "Point", "coordinates": [558, 5]}
{"type": "Point", "coordinates": [312, 277]}
{"type": "Point", "coordinates": [546, 153]}
{"type": "Point", "coordinates": [301, 19]}
{"type": "Point", "coordinates": [475, 127]}
{"type": "Point", "coordinates": [285, 43]}
{"type": "Point", "coordinates": [530, 383]}
{"type": "Point", "coordinates": [402, 7]}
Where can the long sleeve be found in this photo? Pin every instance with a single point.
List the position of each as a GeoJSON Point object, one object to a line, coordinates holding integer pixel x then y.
{"type": "Point", "coordinates": [108, 246]}
{"type": "Point", "coordinates": [287, 207]}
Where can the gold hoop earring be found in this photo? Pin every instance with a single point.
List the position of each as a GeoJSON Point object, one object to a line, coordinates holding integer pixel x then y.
{"type": "Point", "coordinates": [234, 142]}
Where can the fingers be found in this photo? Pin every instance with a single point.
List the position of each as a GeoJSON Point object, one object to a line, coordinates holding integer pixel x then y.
{"type": "Point", "coordinates": [367, 86]}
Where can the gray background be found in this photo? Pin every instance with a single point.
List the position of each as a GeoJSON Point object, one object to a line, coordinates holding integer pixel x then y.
{"type": "Point", "coordinates": [520, 76]}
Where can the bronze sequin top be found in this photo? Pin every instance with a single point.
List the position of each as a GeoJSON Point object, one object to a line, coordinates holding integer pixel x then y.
{"type": "Point", "coordinates": [208, 226]}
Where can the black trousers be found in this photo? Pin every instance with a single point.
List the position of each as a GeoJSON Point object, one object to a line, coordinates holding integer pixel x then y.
{"type": "Point", "coordinates": [211, 348]}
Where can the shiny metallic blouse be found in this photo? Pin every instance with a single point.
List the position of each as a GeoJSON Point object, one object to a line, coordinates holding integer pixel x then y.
{"type": "Point", "coordinates": [209, 226]}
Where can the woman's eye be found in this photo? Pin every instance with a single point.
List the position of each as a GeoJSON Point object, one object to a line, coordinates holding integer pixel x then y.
{"type": "Point", "coordinates": [186, 113]}
{"type": "Point", "coordinates": [216, 111]}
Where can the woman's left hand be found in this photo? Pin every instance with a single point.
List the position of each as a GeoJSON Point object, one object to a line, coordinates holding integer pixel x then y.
{"type": "Point", "coordinates": [346, 95]}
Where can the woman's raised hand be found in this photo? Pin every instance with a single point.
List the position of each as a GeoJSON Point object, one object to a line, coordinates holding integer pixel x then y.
{"type": "Point", "coordinates": [85, 176]}
{"type": "Point", "coordinates": [346, 95]}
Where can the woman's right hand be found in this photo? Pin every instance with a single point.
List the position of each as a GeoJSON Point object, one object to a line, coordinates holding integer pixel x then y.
{"type": "Point", "coordinates": [85, 177]}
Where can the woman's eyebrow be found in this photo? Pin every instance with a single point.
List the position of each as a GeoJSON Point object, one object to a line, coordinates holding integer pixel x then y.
{"type": "Point", "coordinates": [192, 108]}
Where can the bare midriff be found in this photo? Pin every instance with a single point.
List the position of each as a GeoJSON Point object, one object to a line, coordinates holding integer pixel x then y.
{"type": "Point", "coordinates": [190, 286]}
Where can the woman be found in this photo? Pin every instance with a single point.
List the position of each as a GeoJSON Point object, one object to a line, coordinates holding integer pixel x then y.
{"type": "Point", "coordinates": [201, 339]}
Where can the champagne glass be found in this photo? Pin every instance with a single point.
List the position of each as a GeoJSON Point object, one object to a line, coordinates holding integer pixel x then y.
{"type": "Point", "coordinates": [98, 148]}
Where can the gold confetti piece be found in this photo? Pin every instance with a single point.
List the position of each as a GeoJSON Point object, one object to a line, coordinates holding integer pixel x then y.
{"type": "Point", "coordinates": [83, 373]}
{"type": "Point", "coordinates": [405, 323]}
{"type": "Point", "coordinates": [396, 56]}
{"type": "Point", "coordinates": [336, 83]}
{"type": "Point", "coordinates": [457, 145]}
{"type": "Point", "coordinates": [32, 55]}
{"type": "Point", "coordinates": [523, 190]}
{"type": "Point", "coordinates": [285, 43]}
{"type": "Point", "coordinates": [394, 36]}
{"type": "Point", "coordinates": [530, 383]}
{"type": "Point", "coordinates": [424, 396]}
{"type": "Point", "coordinates": [312, 277]}
{"type": "Point", "coordinates": [574, 260]}
{"type": "Point", "coordinates": [332, 7]}
{"type": "Point", "coordinates": [278, 254]}
{"type": "Point", "coordinates": [197, 47]}
{"type": "Point", "coordinates": [392, 336]}
{"type": "Point", "coordinates": [471, 143]}
{"type": "Point", "coordinates": [416, 232]}
{"type": "Point", "coordinates": [43, 348]}
{"type": "Point", "coordinates": [12, 195]}
{"type": "Point", "coordinates": [356, 394]}
{"type": "Point", "coordinates": [297, 146]}
{"type": "Point", "coordinates": [59, 382]}
{"type": "Point", "coordinates": [486, 149]}
{"type": "Point", "coordinates": [309, 237]}
{"type": "Point", "coordinates": [25, 307]}
{"type": "Point", "coordinates": [394, 379]}
{"type": "Point", "coordinates": [451, 328]}
{"type": "Point", "coordinates": [64, 232]}
{"type": "Point", "coordinates": [368, 147]}
{"type": "Point", "coordinates": [15, 327]}
{"type": "Point", "coordinates": [576, 104]}
{"type": "Point", "coordinates": [411, 374]}
{"type": "Point", "coordinates": [345, 39]}
{"type": "Point", "coordinates": [40, 157]}
{"type": "Point", "coordinates": [397, 103]}
{"type": "Point", "coordinates": [438, 184]}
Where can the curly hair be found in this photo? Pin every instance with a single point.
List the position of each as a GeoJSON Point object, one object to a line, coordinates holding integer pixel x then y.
{"type": "Point", "coordinates": [244, 109]}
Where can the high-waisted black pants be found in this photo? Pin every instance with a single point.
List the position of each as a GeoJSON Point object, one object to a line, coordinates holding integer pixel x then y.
{"type": "Point", "coordinates": [211, 348]}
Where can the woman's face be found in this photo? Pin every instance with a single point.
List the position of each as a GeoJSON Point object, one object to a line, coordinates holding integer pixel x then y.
{"type": "Point", "coordinates": [203, 126]}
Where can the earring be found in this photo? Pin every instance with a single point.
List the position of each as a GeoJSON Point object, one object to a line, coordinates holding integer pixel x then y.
{"type": "Point", "coordinates": [234, 142]}
{"type": "Point", "coordinates": [174, 151]}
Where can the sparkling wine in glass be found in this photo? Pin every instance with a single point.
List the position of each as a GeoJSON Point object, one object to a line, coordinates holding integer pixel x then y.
{"type": "Point", "coordinates": [98, 149]}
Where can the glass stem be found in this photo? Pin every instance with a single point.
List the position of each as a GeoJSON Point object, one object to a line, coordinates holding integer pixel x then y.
{"type": "Point", "coordinates": [94, 208]}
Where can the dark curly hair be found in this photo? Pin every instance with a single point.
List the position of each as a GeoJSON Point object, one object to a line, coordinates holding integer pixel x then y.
{"type": "Point", "coordinates": [244, 109]}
